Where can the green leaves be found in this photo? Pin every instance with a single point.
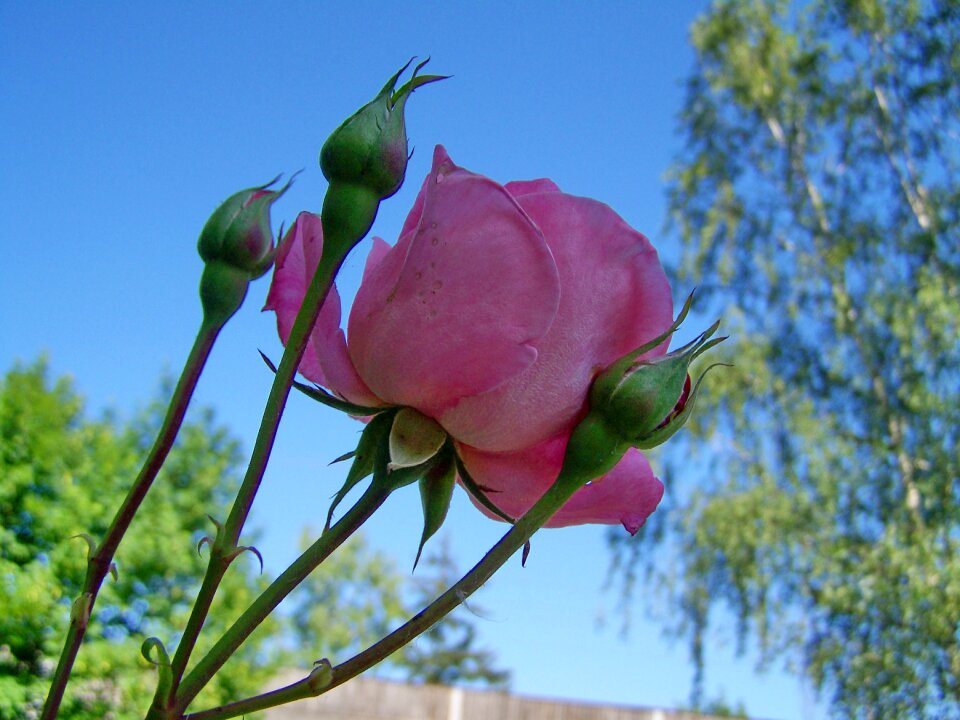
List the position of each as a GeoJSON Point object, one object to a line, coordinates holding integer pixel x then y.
{"type": "Point", "coordinates": [62, 474]}
{"type": "Point", "coordinates": [817, 202]}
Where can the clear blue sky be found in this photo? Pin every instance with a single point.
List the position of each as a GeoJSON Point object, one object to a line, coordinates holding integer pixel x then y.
{"type": "Point", "coordinates": [122, 126]}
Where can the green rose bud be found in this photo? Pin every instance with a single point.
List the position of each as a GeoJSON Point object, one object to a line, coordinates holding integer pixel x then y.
{"type": "Point", "coordinates": [646, 401]}
{"type": "Point", "coordinates": [370, 148]}
{"type": "Point", "coordinates": [237, 246]}
{"type": "Point", "coordinates": [637, 403]}
{"type": "Point", "coordinates": [365, 160]}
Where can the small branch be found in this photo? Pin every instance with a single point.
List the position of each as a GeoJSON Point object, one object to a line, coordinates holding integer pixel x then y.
{"type": "Point", "coordinates": [101, 559]}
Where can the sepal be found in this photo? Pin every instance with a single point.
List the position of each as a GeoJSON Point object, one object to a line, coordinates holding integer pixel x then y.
{"type": "Point", "coordinates": [679, 416]}
{"type": "Point", "coordinates": [436, 492]}
{"type": "Point", "coordinates": [315, 392]}
{"type": "Point", "coordinates": [238, 232]}
{"type": "Point", "coordinates": [373, 440]}
{"type": "Point", "coordinates": [414, 439]}
{"type": "Point", "coordinates": [479, 492]}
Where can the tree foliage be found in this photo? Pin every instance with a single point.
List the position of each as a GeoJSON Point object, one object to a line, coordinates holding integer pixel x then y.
{"type": "Point", "coordinates": [63, 474]}
{"type": "Point", "coordinates": [817, 198]}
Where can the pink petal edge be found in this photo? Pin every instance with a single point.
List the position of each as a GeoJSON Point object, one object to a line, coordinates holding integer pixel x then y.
{"type": "Point", "coordinates": [627, 495]}
{"type": "Point", "coordinates": [289, 284]}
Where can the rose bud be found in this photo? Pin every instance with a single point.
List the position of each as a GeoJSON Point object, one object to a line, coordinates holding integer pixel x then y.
{"type": "Point", "coordinates": [365, 160]}
{"type": "Point", "coordinates": [236, 244]}
{"type": "Point", "coordinates": [646, 400]}
{"type": "Point", "coordinates": [638, 402]}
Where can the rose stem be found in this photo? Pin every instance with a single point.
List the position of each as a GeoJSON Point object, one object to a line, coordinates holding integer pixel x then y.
{"type": "Point", "coordinates": [565, 485]}
{"type": "Point", "coordinates": [225, 545]}
{"type": "Point", "coordinates": [100, 560]}
{"type": "Point", "coordinates": [329, 541]}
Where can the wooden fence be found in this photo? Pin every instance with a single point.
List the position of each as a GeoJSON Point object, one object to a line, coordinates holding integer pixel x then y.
{"type": "Point", "coordinates": [372, 699]}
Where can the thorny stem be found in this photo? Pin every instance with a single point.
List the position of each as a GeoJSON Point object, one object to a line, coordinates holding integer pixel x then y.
{"type": "Point", "coordinates": [224, 549]}
{"type": "Point", "coordinates": [101, 558]}
{"type": "Point", "coordinates": [316, 684]}
{"type": "Point", "coordinates": [329, 541]}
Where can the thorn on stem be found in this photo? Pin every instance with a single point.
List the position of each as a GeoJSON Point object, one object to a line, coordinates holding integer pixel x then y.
{"type": "Point", "coordinates": [246, 548]}
{"type": "Point", "coordinates": [88, 539]}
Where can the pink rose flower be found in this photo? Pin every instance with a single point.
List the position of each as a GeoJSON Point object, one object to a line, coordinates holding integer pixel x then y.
{"type": "Point", "coordinates": [493, 314]}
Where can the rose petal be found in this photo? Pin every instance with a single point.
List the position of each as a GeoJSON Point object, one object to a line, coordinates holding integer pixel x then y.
{"type": "Point", "coordinates": [325, 360]}
{"type": "Point", "coordinates": [453, 309]}
{"type": "Point", "coordinates": [627, 495]}
{"type": "Point", "coordinates": [377, 253]}
{"type": "Point", "coordinates": [519, 188]}
{"type": "Point", "coordinates": [614, 297]}
{"type": "Point", "coordinates": [413, 217]}
{"type": "Point", "coordinates": [289, 284]}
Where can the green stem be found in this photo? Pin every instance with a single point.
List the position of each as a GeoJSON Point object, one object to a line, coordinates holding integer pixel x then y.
{"type": "Point", "coordinates": [566, 484]}
{"type": "Point", "coordinates": [329, 541]}
{"type": "Point", "coordinates": [224, 547]}
{"type": "Point", "coordinates": [101, 559]}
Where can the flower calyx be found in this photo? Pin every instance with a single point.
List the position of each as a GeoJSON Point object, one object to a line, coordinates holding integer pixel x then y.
{"type": "Point", "coordinates": [400, 446]}
{"type": "Point", "coordinates": [397, 447]}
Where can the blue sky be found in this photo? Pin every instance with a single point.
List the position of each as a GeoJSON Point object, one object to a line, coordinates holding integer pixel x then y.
{"type": "Point", "coordinates": [124, 125]}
